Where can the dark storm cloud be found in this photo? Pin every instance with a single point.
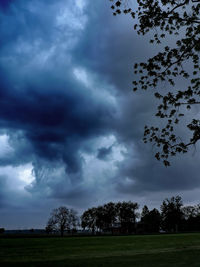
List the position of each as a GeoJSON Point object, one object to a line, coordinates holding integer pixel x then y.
{"type": "Point", "coordinates": [104, 152]}
{"type": "Point", "coordinates": [63, 86]}
{"type": "Point", "coordinates": [120, 49]}
{"type": "Point", "coordinates": [54, 115]}
{"type": "Point", "coordinates": [47, 112]}
{"type": "Point", "coordinates": [50, 119]}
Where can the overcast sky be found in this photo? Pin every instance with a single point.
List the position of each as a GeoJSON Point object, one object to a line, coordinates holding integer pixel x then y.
{"type": "Point", "coordinates": [71, 128]}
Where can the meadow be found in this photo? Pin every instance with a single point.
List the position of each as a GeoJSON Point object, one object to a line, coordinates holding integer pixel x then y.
{"type": "Point", "coordinates": [141, 250]}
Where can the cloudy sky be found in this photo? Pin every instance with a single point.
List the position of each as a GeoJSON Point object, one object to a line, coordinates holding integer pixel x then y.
{"type": "Point", "coordinates": [70, 126]}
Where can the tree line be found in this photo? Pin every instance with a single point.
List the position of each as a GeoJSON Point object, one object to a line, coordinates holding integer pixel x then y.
{"type": "Point", "coordinates": [124, 218]}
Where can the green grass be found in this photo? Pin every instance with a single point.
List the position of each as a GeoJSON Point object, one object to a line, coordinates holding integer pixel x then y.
{"type": "Point", "coordinates": [152, 251]}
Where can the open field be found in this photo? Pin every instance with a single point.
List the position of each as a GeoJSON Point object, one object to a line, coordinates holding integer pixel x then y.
{"type": "Point", "coordinates": [150, 250]}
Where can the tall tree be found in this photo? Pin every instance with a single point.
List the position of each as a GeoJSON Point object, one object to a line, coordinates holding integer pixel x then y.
{"type": "Point", "coordinates": [110, 211]}
{"type": "Point", "coordinates": [100, 218]}
{"type": "Point", "coordinates": [191, 218]}
{"type": "Point", "coordinates": [180, 19]}
{"type": "Point", "coordinates": [62, 219]}
{"type": "Point", "coordinates": [126, 215]}
{"type": "Point", "coordinates": [151, 220]}
{"type": "Point", "coordinates": [172, 214]}
{"type": "Point", "coordinates": [145, 211]}
{"type": "Point", "coordinates": [88, 219]}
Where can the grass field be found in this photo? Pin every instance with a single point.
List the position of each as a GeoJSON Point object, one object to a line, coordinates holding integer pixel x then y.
{"type": "Point", "coordinates": [152, 251]}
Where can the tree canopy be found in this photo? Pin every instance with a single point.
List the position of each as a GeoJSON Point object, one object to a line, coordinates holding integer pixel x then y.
{"type": "Point", "coordinates": [62, 219]}
{"type": "Point", "coordinates": [172, 214]}
{"type": "Point", "coordinates": [180, 60]}
{"type": "Point", "coordinates": [105, 217]}
{"type": "Point", "coordinates": [151, 220]}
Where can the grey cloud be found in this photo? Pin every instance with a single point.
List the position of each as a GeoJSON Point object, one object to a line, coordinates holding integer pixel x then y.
{"type": "Point", "coordinates": [51, 108]}
{"type": "Point", "coordinates": [47, 113]}
{"type": "Point", "coordinates": [104, 152]}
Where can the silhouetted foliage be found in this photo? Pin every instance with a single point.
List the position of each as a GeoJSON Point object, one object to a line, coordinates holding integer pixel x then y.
{"type": "Point", "coordinates": [191, 218]}
{"type": "Point", "coordinates": [172, 214]}
{"type": "Point", "coordinates": [88, 219]}
{"type": "Point", "coordinates": [145, 211]}
{"type": "Point", "coordinates": [62, 219]}
{"type": "Point", "coordinates": [180, 19]}
{"type": "Point", "coordinates": [123, 218]}
{"type": "Point", "coordinates": [151, 220]}
{"type": "Point", "coordinates": [126, 215]}
{"type": "Point", "coordinates": [104, 217]}
{"type": "Point", "coordinates": [110, 211]}
{"type": "Point", "coordinates": [2, 230]}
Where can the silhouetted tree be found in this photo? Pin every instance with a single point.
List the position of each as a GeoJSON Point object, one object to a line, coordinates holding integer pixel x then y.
{"type": "Point", "coordinates": [151, 220]}
{"type": "Point", "coordinates": [188, 212]}
{"type": "Point", "coordinates": [191, 216]}
{"type": "Point", "coordinates": [100, 218]}
{"type": "Point", "coordinates": [62, 219]}
{"type": "Point", "coordinates": [172, 214]}
{"type": "Point", "coordinates": [126, 215]}
{"type": "Point", "coordinates": [110, 211]}
{"type": "Point", "coordinates": [180, 19]}
{"type": "Point", "coordinates": [49, 228]}
{"type": "Point", "coordinates": [88, 219]}
{"type": "Point", "coordinates": [145, 211]}
{"type": "Point", "coordinates": [103, 217]}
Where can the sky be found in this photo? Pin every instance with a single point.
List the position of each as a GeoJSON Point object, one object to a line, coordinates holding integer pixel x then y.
{"type": "Point", "coordinates": [71, 128]}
